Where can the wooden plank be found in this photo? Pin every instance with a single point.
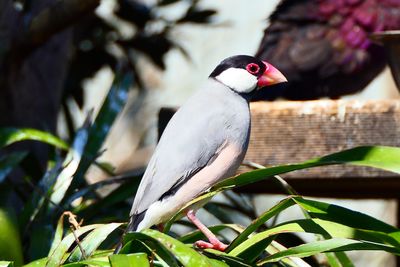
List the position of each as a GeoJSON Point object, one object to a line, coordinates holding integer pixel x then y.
{"type": "Point", "coordinates": [289, 131]}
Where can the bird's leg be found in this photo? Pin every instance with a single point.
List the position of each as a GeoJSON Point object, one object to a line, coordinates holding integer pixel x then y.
{"type": "Point", "coordinates": [214, 242]}
{"type": "Point", "coordinates": [160, 227]}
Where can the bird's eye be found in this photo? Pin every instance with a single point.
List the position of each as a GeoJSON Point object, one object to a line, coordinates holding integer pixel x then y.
{"type": "Point", "coordinates": [253, 68]}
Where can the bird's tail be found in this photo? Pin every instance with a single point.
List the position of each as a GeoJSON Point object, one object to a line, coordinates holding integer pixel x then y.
{"type": "Point", "coordinates": [133, 224]}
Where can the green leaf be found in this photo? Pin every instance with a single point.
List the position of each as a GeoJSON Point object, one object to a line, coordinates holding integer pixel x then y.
{"type": "Point", "coordinates": [186, 255]}
{"type": "Point", "coordinates": [381, 157]}
{"type": "Point", "coordinates": [10, 242]}
{"type": "Point", "coordinates": [281, 206]}
{"type": "Point", "coordinates": [227, 259]}
{"type": "Point", "coordinates": [275, 247]}
{"type": "Point", "coordinates": [197, 201]}
{"type": "Point", "coordinates": [249, 248]}
{"type": "Point", "coordinates": [37, 263]}
{"type": "Point", "coordinates": [129, 260]}
{"type": "Point", "coordinates": [98, 262]}
{"type": "Point", "coordinates": [58, 256]}
{"type": "Point", "coordinates": [9, 162]}
{"type": "Point", "coordinates": [70, 165]}
{"type": "Point", "coordinates": [112, 106]}
{"type": "Point", "coordinates": [6, 264]}
{"type": "Point", "coordinates": [92, 241]}
{"type": "Point", "coordinates": [345, 216]}
{"type": "Point", "coordinates": [9, 136]}
{"type": "Point", "coordinates": [57, 235]}
{"type": "Point", "coordinates": [338, 259]}
{"type": "Point", "coordinates": [332, 224]}
{"type": "Point", "coordinates": [334, 244]}
{"type": "Point", "coordinates": [148, 243]}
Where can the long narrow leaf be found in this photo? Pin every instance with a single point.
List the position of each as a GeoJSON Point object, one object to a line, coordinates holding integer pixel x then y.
{"type": "Point", "coordinates": [345, 216]}
{"type": "Point", "coordinates": [92, 241]}
{"type": "Point", "coordinates": [159, 250]}
{"type": "Point", "coordinates": [6, 264]}
{"type": "Point", "coordinates": [281, 206]}
{"type": "Point", "coordinates": [37, 263]}
{"type": "Point", "coordinates": [58, 256]}
{"type": "Point", "coordinates": [9, 162]}
{"type": "Point", "coordinates": [58, 234]}
{"type": "Point", "coordinates": [316, 226]}
{"type": "Point", "coordinates": [70, 164]}
{"type": "Point", "coordinates": [112, 106]}
{"type": "Point", "coordinates": [98, 262]}
{"type": "Point", "coordinates": [9, 136]}
{"type": "Point", "coordinates": [130, 260]}
{"type": "Point", "coordinates": [186, 255]}
{"type": "Point", "coordinates": [334, 244]}
{"type": "Point", "coordinates": [381, 157]}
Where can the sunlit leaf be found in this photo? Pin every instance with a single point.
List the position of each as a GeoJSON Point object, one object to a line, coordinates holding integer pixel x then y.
{"type": "Point", "coordinates": [58, 256]}
{"type": "Point", "coordinates": [57, 235]}
{"type": "Point", "coordinates": [334, 244]}
{"type": "Point", "coordinates": [6, 264]}
{"type": "Point", "coordinates": [381, 157]}
{"type": "Point", "coordinates": [263, 218]}
{"type": "Point", "coordinates": [129, 260]}
{"type": "Point", "coordinates": [159, 250]}
{"type": "Point", "coordinates": [10, 240]}
{"type": "Point", "coordinates": [231, 261]}
{"type": "Point", "coordinates": [98, 262]}
{"type": "Point", "coordinates": [346, 216]}
{"type": "Point", "coordinates": [70, 164]}
{"type": "Point", "coordinates": [9, 136]}
{"type": "Point", "coordinates": [92, 241]}
{"type": "Point", "coordinates": [37, 263]}
{"type": "Point", "coordinates": [186, 255]}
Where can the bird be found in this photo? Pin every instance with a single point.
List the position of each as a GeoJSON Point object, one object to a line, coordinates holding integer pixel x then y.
{"type": "Point", "coordinates": [323, 46]}
{"type": "Point", "coordinates": [204, 142]}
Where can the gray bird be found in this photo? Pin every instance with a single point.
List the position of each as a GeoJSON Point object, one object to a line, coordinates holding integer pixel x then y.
{"type": "Point", "coordinates": [204, 142]}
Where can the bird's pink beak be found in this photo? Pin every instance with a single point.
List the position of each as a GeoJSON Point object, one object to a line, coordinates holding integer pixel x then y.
{"type": "Point", "coordinates": [270, 76]}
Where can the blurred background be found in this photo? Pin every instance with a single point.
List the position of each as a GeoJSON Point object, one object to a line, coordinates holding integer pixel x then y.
{"type": "Point", "coordinates": [58, 61]}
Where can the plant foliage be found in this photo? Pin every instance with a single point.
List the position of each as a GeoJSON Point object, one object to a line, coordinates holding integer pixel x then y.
{"type": "Point", "coordinates": [38, 232]}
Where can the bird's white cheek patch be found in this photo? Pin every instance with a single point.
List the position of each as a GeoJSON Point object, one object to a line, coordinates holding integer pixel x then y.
{"type": "Point", "coordinates": [238, 79]}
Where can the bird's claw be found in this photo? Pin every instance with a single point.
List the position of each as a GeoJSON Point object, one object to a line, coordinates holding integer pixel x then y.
{"type": "Point", "coordinates": [218, 245]}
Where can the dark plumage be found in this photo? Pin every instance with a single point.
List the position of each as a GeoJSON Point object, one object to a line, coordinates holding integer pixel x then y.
{"type": "Point", "coordinates": [322, 46]}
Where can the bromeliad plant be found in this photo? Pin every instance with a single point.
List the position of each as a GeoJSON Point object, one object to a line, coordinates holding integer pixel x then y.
{"type": "Point", "coordinates": [39, 231]}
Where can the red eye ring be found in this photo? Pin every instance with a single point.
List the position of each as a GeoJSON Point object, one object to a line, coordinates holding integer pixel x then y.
{"type": "Point", "coordinates": [252, 68]}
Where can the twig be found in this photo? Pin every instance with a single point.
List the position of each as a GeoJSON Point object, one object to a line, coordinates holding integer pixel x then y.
{"type": "Point", "coordinates": [72, 219]}
{"type": "Point", "coordinates": [75, 226]}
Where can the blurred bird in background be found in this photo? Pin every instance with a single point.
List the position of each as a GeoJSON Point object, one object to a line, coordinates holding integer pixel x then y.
{"type": "Point", "coordinates": [322, 46]}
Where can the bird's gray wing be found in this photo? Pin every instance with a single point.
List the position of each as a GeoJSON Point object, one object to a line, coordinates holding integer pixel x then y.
{"type": "Point", "coordinates": [188, 144]}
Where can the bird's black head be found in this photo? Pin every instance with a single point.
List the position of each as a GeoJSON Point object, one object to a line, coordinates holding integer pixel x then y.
{"type": "Point", "coordinates": [244, 74]}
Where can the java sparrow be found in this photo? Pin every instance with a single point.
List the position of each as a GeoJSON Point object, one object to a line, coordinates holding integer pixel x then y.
{"type": "Point", "coordinates": [204, 142]}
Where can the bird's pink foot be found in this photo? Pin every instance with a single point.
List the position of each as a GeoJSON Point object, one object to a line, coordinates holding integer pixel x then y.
{"type": "Point", "coordinates": [160, 227]}
{"type": "Point", "coordinates": [217, 246]}
{"type": "Point", "coordinates": [214, 242]}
